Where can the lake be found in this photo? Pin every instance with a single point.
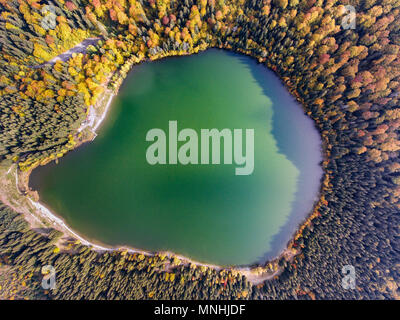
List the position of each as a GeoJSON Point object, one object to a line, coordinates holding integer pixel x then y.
{"type": "Point", "coordinates": [106, 190]}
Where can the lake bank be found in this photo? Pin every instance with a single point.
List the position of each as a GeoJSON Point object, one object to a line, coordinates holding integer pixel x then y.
{"type": "Point", "coordinates": [108, 199]}
{"type": "Point", "coordinates": [135, 250]}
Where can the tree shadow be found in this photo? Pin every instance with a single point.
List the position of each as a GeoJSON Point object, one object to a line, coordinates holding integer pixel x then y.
{"type": "Point", "coordinates": [301, 145]}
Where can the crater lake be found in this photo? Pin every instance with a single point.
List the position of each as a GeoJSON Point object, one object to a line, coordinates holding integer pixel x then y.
{"type": "Point", "coordinates": [107, 191]}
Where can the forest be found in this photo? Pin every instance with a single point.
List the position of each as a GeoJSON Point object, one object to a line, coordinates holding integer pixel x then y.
{"type": "Point", "coordinates": [347, 80]}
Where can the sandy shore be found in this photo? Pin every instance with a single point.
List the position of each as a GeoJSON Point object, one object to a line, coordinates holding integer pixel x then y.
{"type": "Point", "coordinates": [94, 120]}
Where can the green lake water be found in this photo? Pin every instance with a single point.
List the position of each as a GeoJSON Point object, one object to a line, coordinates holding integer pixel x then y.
{"type": "Point", "coordinates": [107, 191]}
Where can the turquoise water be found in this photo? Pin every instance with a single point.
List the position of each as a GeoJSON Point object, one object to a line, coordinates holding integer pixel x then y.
{"type": "Point", "coordinates": [107, 191]}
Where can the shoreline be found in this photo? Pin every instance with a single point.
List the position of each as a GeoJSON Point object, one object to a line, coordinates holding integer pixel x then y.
{"type": "Point", "coordinates": [92, 123]}
{"type": "Point", "coordinates": [251, 271]}
{"type": "Point", "coordinates": [256, 272]}
{"type": "Point", "coordinates": [59, 223]}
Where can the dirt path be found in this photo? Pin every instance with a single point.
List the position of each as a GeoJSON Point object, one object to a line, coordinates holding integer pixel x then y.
{"type": "Point", "coordinates": [79, 48]}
